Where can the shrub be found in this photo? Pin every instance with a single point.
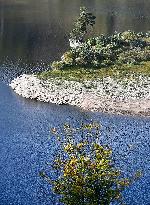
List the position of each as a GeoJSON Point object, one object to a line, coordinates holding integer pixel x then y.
{"type": "Point", "coordinates": [119, 48]}
{"type": "Point", "coordinates": [127, 47]}
{"type": "Point", "coordinates": [57, 65]}
{"type": "Point", "coordinates": [86, 172]}
{"type": "Point", "coordinates": [129, 36]}
{"type": "Point", "coordinates": [68, 58]}
{"type": "Point", "coordinates": [84, 20]}
{"type": "Point", "coordinates": [134, 56]}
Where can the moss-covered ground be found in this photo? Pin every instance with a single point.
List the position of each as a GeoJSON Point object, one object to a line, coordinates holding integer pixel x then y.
{"type": "Point", "coordinates": [82, 74]}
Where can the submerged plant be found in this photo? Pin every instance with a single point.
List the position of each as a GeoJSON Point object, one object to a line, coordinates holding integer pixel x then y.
{"type": "Point", "coordinates": [86, 173]}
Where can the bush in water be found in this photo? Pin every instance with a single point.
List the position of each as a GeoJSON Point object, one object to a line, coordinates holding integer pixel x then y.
{"type": "Point", "coordinates": [86, 173]}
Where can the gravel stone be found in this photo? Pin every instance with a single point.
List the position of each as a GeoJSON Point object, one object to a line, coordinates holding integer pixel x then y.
{"type": "Point", "coordinates": [106, 95]}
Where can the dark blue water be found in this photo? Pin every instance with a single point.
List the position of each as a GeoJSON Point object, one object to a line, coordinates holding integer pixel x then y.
{"type": "Point", "coordinates": [25, 147]}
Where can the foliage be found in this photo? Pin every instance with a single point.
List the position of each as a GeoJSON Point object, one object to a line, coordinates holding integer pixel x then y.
{"type": "Point", "coordinates": [81, 74]}
{"type": "Point", "coordinates": [127, 47]}
{"type": "Point", "coordinates": [84, 20]}
{"type": "Point", "coordinates": [86, 172]}
{"type": "Point", "coordinates": [129, 36]}
{"type": "Point", "coordinates": [103, 51]}
{"type": "Point", "coordinates": [57, 65]}
{"type": "Point", "coordinates": [67, 58]}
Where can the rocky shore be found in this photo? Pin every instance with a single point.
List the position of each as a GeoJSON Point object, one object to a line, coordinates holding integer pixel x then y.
{"type": "Point", "coordinates": [106, 95]}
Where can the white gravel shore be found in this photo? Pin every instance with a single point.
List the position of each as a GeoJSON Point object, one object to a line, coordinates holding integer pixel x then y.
{"type": "Point", "coordinates": [106, 95]}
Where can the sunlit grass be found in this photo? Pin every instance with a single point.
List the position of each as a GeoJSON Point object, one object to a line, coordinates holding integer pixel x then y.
{"type": "Point", "coordinates": [82, 74]}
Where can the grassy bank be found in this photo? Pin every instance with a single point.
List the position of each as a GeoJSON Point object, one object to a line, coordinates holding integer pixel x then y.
{"type": "Point", "coordinates": [81, 74]}
{"type": "Point", "coordinates": [122, 55]}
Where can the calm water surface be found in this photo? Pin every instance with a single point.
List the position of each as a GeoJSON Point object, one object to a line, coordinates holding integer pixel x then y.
{"type": "Point", "coordinates": [37, 30]}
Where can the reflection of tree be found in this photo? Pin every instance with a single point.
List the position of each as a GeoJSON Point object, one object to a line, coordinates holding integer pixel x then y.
{"type": "Point", "coordinates": [122, 15]}
{"type": "Point", "coordinates": [1, 26]}
{"type": "Point", "coordinates": [136, 16]}
{"type": "Point", "coordinates": [110, 22]}
{"type": "Point", "coordinates": [45, 41]}
{"type": "Point", "coordinates": [1, 22]}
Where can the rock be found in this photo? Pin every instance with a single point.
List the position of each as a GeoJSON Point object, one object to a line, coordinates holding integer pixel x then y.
{"type": "Point", "coordinates": [104, 95]}
{"type": "Point", "coordinates": [74, 43]}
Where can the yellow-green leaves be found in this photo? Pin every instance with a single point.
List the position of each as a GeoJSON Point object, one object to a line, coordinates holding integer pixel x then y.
{"type": "Point", "coordinates": [86, 171]}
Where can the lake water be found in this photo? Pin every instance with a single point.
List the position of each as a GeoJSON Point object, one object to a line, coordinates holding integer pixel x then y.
{"type": "Point", "coordinates": [36, 30]}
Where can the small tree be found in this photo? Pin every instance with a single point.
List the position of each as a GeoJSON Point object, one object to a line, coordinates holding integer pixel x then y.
{"type": "Point", "coordinates": [85, 168]}
{"type": "Point", "coordinates": [84, 20]}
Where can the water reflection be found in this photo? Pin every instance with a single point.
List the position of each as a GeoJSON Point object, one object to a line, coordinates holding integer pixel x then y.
{"type": "Point", "coordinates": [38, 29]}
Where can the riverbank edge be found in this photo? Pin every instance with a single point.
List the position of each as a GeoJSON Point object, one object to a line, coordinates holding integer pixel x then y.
{"type": "Point", "coordinates": [74, 93]}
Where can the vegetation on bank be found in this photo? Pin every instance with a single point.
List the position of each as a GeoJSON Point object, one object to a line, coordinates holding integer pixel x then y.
{"type": "Point", "coordinates": [85, 173]}
{"type": "Point", "coordinates": [118, 55]}
{"type": "Point", "coordinates": [81, 74]}
{"type": "Point", "coordinates": [128, 48]}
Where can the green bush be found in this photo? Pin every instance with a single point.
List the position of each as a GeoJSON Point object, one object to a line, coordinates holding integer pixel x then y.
{"type": "Point", "coordinates": [129, 36]}
{"type": "Point", "coordinates": [57, 65]}
{"type": "Point", "coordinates": [127, 47]}
{"type": "Point", "coordinates": [86, 172]}
{"type": "Point", "coordinates": [84, 20]}
{"type": "Point", "coordinates": [124, 48]}
{"type": "Point", "coordinates": [120, 48]}
{"type": "Point", "coordinates": [68, 58]}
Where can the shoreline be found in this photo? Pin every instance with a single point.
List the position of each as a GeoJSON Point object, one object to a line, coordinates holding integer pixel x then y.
{"type": "Point", "coordinates": [90, 96]}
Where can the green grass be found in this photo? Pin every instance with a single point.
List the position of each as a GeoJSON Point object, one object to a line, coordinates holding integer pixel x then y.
{"type": "Point", "coordinates": [81, 74]}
